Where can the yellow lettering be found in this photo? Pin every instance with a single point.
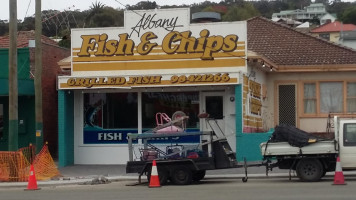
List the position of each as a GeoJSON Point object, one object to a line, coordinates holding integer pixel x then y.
{"type": "Point", "coordinates": [88, 44]}
{"type": "Point", "coordinates": [125, 46]}
{"type": "Point", "coordinates": [145, 46]}
{"type": "Point", "coordinates": [111, 81]}
{"type": "Point", "coordinates": [71, 82]}
{"type": "Point", "coordinates": [145, 79]}
{"type": "Point", "coordinates": [132, 80]}
{"type": "Point", "coordinates": [80, 82]}
{"type": "Point", "coordinates": [168, 40]}
{"type": "Point", "coordinates": [187, 43]}
{"type": "Point", "coordinates": [230, 43]}
{"type": "Point", "coordinates": [102, 81]}
{"type": "Point", "coordinates": [120, 80]}
{"type": "Point", "coordinates": [213, 44]}
{"type": "Point", "coordinates": [101, 45]}
{"type": "Point", "coordinates": [201, 41]}
{"type": "Point", "coordinates": [155, 79]}
{"type": "Point", "coordinates": [110, 47]}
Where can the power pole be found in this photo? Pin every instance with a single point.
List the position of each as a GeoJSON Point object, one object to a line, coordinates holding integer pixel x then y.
{"type": "Point", "coordinates": [38, 76]}
{"type": "Point", "coordinates": [13, 93]}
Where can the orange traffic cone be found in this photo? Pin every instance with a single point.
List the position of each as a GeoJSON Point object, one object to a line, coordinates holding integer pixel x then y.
{"type": "Point", "coordinates": [339, 175]}
{"type": "Point", "coordinates": [32, 182]}
{"type": "Point", "coordinates": [154, 180]}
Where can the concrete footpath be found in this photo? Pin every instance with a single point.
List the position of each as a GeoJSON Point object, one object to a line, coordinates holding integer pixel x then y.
{"type": "Point", "coordinates": [101, 174]}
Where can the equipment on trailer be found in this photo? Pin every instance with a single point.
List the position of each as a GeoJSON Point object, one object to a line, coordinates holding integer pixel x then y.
{"type": "Point", "coordinates": [181, 163]}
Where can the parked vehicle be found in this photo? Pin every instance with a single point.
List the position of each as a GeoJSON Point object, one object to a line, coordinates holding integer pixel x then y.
{"type": "Point", "coordinates": [179, 162]}
{"type": "Point", "coordinates": [310, 156]}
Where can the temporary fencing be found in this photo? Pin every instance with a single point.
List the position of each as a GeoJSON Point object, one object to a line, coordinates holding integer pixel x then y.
{"type": "Point", "coordinates": [15, 165]}
{"type": "Point", "coordinates": [44, 165]}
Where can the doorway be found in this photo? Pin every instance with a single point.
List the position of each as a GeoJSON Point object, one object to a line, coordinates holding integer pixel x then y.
{"type": "Point", "coordinates": [287, 104]}
{"type": "Point", "coordinates": [213, 104]}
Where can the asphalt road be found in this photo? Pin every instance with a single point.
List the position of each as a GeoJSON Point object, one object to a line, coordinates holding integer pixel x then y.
{"type": "Point", "coordinates": [272, 188]}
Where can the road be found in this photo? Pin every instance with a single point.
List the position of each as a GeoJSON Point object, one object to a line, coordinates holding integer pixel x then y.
{"type": "Point", "coordinates": [272, 188]}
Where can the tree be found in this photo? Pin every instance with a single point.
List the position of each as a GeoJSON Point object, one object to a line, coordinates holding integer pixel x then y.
{"type": "Point", "coordinates": [27, 24]}
{"type": "Point", "coordinates": [143, 5]}
{"type": "Point", "coordinates": [95, 9]}
{"type": "Point", "coordinates": [349, 15]}
{"type": "Point", "coordinates": [239, 13]}
{"type": "Point", "coordinates": [4, 28]}
{"type": "Point", "coordinates": [109, 17]}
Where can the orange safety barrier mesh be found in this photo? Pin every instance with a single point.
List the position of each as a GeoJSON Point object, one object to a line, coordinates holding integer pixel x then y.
{"type": "Point", "coordinates": [45, 168]}
{"type": "Point", "coordinates": [15, 166]}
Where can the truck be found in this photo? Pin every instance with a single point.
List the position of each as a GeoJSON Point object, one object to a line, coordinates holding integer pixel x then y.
{"type": "Point", "coordinates": [178, 162]}
{"type": "Point", "coordinates": [312, 157]}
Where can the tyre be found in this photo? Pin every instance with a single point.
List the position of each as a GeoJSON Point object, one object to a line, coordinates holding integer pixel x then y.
{"type": "Point", "coordinates": [198, 175]}
{"type": "Point", "coordinates": [181, 176]}
{"type": "Point", "coordinates": [162, 175]}
{"type": "Point", "coordinates": [309, 170]}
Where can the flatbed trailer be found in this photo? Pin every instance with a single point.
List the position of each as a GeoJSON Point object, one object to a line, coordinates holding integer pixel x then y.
{"type": "Point", "coordinates": [190, 165]}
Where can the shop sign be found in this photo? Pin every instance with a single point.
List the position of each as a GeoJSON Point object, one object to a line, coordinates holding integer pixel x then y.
{"type": "Point", "coordinates": [255, 99]}
{"type": "Point", "coordinates": [120, 137]}
{"type": "Point", "coordinates": [159, 42]}
{"type": "Point", "coordinates": [147, 81]}
{"type": "Point", "coordinates": [173, 43]}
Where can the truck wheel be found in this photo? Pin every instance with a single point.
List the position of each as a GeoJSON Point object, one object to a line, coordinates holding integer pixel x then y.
{"type": "Point", "coordinates": [309, 170]}
{"type": "Point", "coordinates": [162, 175]}
{"type": "Point", "coordinates": [181, 175]}
{"type": "Point", "coordinates": [198, 175]}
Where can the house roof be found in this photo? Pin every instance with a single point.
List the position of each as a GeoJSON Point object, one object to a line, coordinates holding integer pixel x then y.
{"type": "Point", "coordinates": [335, 26]}
{"type": "Point", "coordinates": [289, 49]}
{"type": "Point", "coordinates": [65, 63]}
{"type": "Point", "coordinates": [23, 38]}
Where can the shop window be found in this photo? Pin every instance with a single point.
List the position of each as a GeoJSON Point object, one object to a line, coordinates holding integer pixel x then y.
{"type": "Point", "coordinates": [169, 103]}
{"type": "Point", "coordinates": [110, 110]}
{"type": "Point", "coordinates": [349, 134]}
{"type": "Point", "coordinates": [351, 97]}
{"type": "Point", "coordinates": [1, 121]}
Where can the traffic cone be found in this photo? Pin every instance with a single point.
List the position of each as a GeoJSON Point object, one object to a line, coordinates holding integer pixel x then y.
{"type": "Point", "coordinates": [339, 175]}
{"type": "Point", "coordinates": [154, 180]}
{"type": "Point", "coordinates": [32, 182]}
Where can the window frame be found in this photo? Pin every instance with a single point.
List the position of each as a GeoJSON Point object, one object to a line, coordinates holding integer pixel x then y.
{"type": "Point", "coordinates": [345, 136]}
{"type": "Point", "coordinates": [347, 97]}
{"type": "Point", "coordinates": [318, 103]}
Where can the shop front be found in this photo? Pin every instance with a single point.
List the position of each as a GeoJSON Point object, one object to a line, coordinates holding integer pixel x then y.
{"type": "Point", "coordinates": [123, 77]}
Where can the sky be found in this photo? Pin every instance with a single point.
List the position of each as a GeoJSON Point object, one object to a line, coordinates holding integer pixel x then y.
{"type": "Point", "coordinates": [26, 8]}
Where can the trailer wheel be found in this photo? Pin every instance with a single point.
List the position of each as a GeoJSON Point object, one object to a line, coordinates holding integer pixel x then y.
{"type": "Point", "coordinates": [198, 175]}
{"type": "Point", "coordinates": [181, 175]}
{"type": "Point", "coordinates": [309, 170]}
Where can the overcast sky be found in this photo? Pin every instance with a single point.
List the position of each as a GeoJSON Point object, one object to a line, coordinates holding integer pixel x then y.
{"type": "Point", "coordinates": [28, 6]}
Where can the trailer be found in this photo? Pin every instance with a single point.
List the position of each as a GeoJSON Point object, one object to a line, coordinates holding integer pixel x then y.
{"type": "Point", "coordinates": [180, 163]}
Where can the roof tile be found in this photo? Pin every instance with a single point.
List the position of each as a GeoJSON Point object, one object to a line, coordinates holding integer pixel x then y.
{"type": "Point", "coordinates": [334, 27]}
{"type": "Point", "coordinates": [22, 39]}
{"type": "Point", "coordinates": [285, 46]}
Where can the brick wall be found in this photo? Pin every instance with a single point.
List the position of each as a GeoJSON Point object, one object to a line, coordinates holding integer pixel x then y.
{"type": "Point", "coordinates": [50, 56]}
